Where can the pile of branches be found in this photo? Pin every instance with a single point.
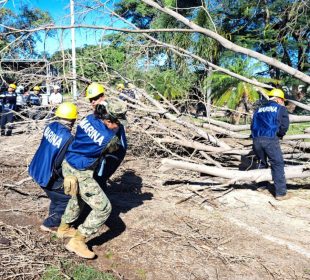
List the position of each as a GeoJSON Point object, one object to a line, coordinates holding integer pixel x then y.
{"type": "Point", "coordinates": [24, 257]}
{"type": "Point", "coordinates": [184, 141]}
{"type": "Point", "coordinates": [208, 145]}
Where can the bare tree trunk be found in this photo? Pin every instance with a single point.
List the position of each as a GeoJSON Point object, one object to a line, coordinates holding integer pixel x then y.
{"type": "Point", "coordinates": [209, 91]}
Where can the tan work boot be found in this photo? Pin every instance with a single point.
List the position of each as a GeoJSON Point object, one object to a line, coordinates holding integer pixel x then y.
{"type": "Point", "coordinates": [48, 229]}
{"type": "Point", "coordinates": [78, 246]}
{"type": "Point", "coordinates": [64, 230]}
{"type": "Point", "coordinates": [284, 197]}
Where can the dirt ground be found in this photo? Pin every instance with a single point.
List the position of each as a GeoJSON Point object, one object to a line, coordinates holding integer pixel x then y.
{"type": "Point", "coordinates": [163, 226]}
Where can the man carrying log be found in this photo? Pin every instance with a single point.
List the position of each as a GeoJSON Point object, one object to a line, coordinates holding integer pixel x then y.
{"type": "Point", "coordinates": [271, 122]}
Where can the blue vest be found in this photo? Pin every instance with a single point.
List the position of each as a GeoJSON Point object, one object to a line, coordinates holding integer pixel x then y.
{"type": "Point", "coordinates": [2, 97]}
{"type": "Point", "coordinates": [265, 121]}
{"type": "Point", "coordinates": [91, 138]}
{"type": "Point", "coordinates": [8, 101]}
{"type": "Point", "coordinates": [34, 99]}
{"type": "Point", "coordinates": [42, 166]}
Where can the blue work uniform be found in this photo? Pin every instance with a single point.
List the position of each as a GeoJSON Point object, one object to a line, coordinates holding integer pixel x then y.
{"type": "Point", "coordinates": [271, 122]}
{"type": "Point", "coordinates": [33, 101]}
{"type": "Point", "coordinates": [91, 138]}
{"type": "Point", "coordinates": [45, 169]}
{"type": "Point", "coordinates": [8, 105]}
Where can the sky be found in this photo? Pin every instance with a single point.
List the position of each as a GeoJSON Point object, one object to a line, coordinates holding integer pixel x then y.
{"type": "Point", "coordinates": [60, 12]}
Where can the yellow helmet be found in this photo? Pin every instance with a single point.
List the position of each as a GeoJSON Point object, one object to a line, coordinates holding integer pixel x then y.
{"type": "Point", "coordinates": [12, 86]}
{"type": "Point", "coordinates": [94, 89]}
{"type": "Point", "coordinates": [67, 110]}
{"type": "Point", "coordinates": [131, 86]}
{"type": "Point", "coordinates": [120, 86]}
{"type": "Point", "coordinates": [276, 93]}
{"type": "Point", "coordinates": [36, 88]}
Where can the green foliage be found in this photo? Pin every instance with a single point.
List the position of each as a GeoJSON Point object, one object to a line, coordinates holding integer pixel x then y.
{"type": "Point", "coordinates": [228, 91]}
{"type": "Point", "coordinates": [170, 84]}
{"type": "Point", "coordinates": [93, 62]}
{"type": "Point", "coordinates": [139, 13]}
{"type": "Point", "coordinates": [141, 273]}
{"type": "Point", "coordinates": [277, 28]}
{"type": "Point", "coordinates": [233, 95]}
{"type": "Point", "coordinates": [76, 272]}
{"type": "Point", "coordinates": [298, 128]}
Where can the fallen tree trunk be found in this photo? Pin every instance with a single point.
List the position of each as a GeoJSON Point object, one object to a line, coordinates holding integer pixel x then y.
{"type": "Point", "coordinates": [228, 126]}
{"type": "Point", "coordinates": [298, 144]}
{"type": "Point", "coordinates": [300, 105]}
{"type": "Point", "coordinates": [297, 119]}
{"type": "Point", "coordinates": [234, 127]}
{"type": "Point", "coordinates": [259, 175]}
{"type": "Point", "coordinates": [296, 137]}
{"type": "Point", "coordinates": [224, 131]}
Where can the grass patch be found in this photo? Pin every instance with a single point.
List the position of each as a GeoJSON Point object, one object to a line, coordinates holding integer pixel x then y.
{"type": "Point", "coordinates": [298, 128]}
{"type": "Point", "coordinates": [141, 273]}
{"type": "Point", "coordinates": [76, 272]}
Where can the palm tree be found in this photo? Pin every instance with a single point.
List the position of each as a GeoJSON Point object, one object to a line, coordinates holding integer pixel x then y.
{"type": "Point", "coordinates": [235, 94]}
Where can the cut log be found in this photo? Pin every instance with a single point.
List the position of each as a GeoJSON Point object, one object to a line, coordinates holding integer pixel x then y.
{"type": "Point", "coordinates": [259, 175]}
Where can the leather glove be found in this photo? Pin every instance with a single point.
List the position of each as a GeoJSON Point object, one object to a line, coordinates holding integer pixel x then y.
{"type": "Point", "coordinates": [71, 185]}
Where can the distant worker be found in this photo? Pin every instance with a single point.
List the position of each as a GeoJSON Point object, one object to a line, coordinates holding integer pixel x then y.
{"type": "Point", "coordinates": [120, 87]}
{"type": "Point", "coordinates": [95, 136]}
{"type": "Point", "coordinates": [20, 100]}
{"type": "Point", "coordinates": [45, 167]}
{"type": "Point", "coordinates": [270, 123]}
{"type": "Point", "coordinates": [8, 105]}
{"type": "Point", "coordinates": [128, 91]}
{"type": "Point", "coordinates": [34, 100]}
{"type": "Point", "coordinates": [55, 97]}
{"type": "Point", "coordinates": [131, 90]}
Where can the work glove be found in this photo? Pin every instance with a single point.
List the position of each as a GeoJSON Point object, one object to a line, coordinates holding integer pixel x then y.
{"type": "Point", "coordinates": [71, 185]}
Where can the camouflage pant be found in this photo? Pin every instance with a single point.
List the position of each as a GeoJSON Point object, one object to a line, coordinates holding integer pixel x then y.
{"type": "Point", "coordinates": [90, 193]}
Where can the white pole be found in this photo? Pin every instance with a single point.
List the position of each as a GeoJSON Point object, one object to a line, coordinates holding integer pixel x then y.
{"type": "Point", "coordinates": [74, 87]}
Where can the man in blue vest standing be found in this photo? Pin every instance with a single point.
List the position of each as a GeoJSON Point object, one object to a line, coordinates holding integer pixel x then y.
{"type": "Point", "coordinates": [45, 167]}
{"type": "Point", "coordinates": [270, 123]}
{"type": "Point", "coordinates": [34, 102]}
{"type": "Point", "coordinates": [8, 105]}
{"type": "Point", "coordinates": [96, 135]}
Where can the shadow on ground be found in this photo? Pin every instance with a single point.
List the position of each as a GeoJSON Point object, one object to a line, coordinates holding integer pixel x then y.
{"type": "Point", "coordinates": [124, 193]}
